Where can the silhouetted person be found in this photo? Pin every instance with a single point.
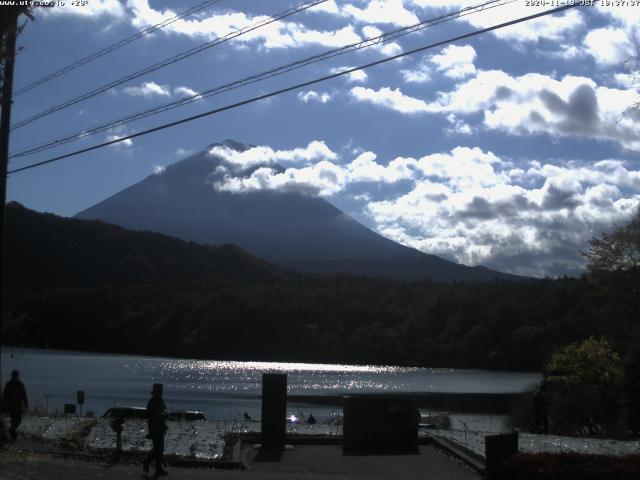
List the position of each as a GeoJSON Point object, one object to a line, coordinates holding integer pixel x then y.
{"type": "Point", "coordinates": [541, 410]}
{"type": "Point", "coordinates": [157, 428]}
{"type": "Point", "coordinates": [15, 402]}
{"type": "Point", "coordinates": [311, 420]}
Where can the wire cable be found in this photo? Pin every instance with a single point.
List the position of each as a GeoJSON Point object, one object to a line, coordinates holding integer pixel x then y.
{"type": "Point", "coordinates": [372, 41]}
{"type": "Point", "coordinates": [296, 87]}
{"type": "Point", "coordinates": [115, 46]}
{"type": "Point", "coordinates": [181, 56]}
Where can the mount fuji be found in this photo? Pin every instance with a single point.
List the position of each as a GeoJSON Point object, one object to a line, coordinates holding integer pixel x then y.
{"type": "Point", "coordinates": [293, 229]}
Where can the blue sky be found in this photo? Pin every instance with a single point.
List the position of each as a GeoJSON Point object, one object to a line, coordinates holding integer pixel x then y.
{"type": "Point", "coordinates": [509, 149]}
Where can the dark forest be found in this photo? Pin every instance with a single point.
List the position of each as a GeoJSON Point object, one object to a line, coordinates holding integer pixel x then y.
{"type": "Point", "coordinates": [90, 286]}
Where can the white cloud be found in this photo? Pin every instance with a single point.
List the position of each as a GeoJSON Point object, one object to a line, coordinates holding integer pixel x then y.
{"type": "Point", "coordinates": [280, 34]}
{"type": "Point", "coordinates": [572, 106]}
{"type": "Point", "coordinates": [364, 168]}
{"type": "Point", "coordinates": [382, 11]}
{"type": "Point", "coordinates": [299, 35]}
{"type": "Point", "coordinates": [422, 74]}
{"type": "Point", "coordinates": [124, 143]}
{"type": "Point", "coordinates": [148, 90]}
{"type": "Point", "coordinates": [393, 99]}
{"type": "Point", "coordinates": [624, 15]}
{"type": "Point", "coordinates": [565, 52]}
{"type": "Point", "coordinates": [323, 178]}
{"type": "Point", "coordinates": [92, 9]}
{"type": "Point", "coordinates": [152, 89]}
{"type": "Point", "coordinates": [315, 150]}
{"type": "Point", "coordinates": [357, 76]}
{"type": "Point", "coordinates": [523, 216]}
{"type": "Point", "coordinates": [387, 48]}
{"type": "Point", "coordinates": [327, 7]}
{"type": "Point", "coordinates": [458, 126]}
{"type": "Point", "coordinates": [312, 96]}
{"type": "Point", "coordinates": [551, 27]}
{"type": "Point", "coordinates": [463, 168]}
{"type": "Point", "coordinates": [117, 133]}
{"type": "Point", "coordinates": [528, 104]}
{"type": "Point", "coordinates": [554, 28]}
{"type": "Point", "coordinates": [186, 92]}
{"type": "Point", "coordinates": [473, 206]}
{"type": "Point", "coordinates": [625, 80]}
{"type": "Point", "coordinates": [158, 169]}
{"type": "Point", "coordinates": [609, 46]}
{"type": "Point", "coordinates": [363, 197]}
{"type": "Point", "coordinates": [456, 61]}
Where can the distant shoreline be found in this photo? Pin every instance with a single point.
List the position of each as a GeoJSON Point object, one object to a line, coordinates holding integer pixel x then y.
{"type": "Point", "coordinates": [495, 403]}
{"type": "Point", "coordinates": [217, 384]}
{"type": "Point", "coordinates": [5, 348]}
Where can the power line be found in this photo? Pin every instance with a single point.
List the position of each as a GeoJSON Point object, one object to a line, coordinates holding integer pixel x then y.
{"type": "Point", "coordinates": [297, 86]}
{"type": "Point", "coordinates": [385, 37]}
{"type": "Point", "coordinates": [181, 56]}
{"type": "Point", "coordinates": [115, 46]}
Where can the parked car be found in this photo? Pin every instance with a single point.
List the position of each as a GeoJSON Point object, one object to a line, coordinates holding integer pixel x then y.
{"type": "Point", "coordinates": [126, 412]}
{"type": "Point", "coordinates": [141, 412]}
{"type": "Point", "coordinates": [186, 415]}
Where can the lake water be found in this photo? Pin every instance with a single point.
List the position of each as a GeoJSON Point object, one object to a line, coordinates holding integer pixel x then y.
{"type": "Point", "coordinates": [224, 389]}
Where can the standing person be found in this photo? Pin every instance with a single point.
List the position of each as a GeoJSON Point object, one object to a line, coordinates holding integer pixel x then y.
{"type": "Point", "coordinates": [15, 402]}
{"type": "Point", "coordinates": [157, 428]}
{"type": "Point", "coordinates": [541, 409]}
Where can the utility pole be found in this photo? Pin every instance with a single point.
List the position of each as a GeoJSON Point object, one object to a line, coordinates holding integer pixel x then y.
{"type": "Point", "coordinates": [9, 33]}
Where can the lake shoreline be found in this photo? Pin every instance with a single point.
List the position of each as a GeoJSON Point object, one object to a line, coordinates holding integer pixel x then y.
{"type": "Point", "coordinates": [226, 389]}
{"type": "Point", "coordinates": [491, 403]}
{"type": "Point", "coordinates": [100, 353]}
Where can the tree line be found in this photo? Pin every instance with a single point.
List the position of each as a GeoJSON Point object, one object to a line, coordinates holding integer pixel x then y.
{"type": "Point", "coordinates": [238, 307]}
{"type": "Point", "coordinates": [495, 325]}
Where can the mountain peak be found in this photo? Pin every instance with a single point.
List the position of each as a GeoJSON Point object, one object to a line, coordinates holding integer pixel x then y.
{"type": "Point", "coordinates": [217, 162]}
{"type": "Point", "coordinates": [200, 165]}
{"type": "Point", "coordinates": [290, 228]}
{"type": "Point", "coordinates": [229, 143]}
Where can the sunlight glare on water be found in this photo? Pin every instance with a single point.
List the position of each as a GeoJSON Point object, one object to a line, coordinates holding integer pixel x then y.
{"type": "Point", "coordinates": [220, 388]}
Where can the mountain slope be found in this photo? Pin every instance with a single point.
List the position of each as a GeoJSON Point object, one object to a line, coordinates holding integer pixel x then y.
{"type": "Point", "coordinates": [44, 250]}
{"type": "Point", "coordinates": [292, 229]}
